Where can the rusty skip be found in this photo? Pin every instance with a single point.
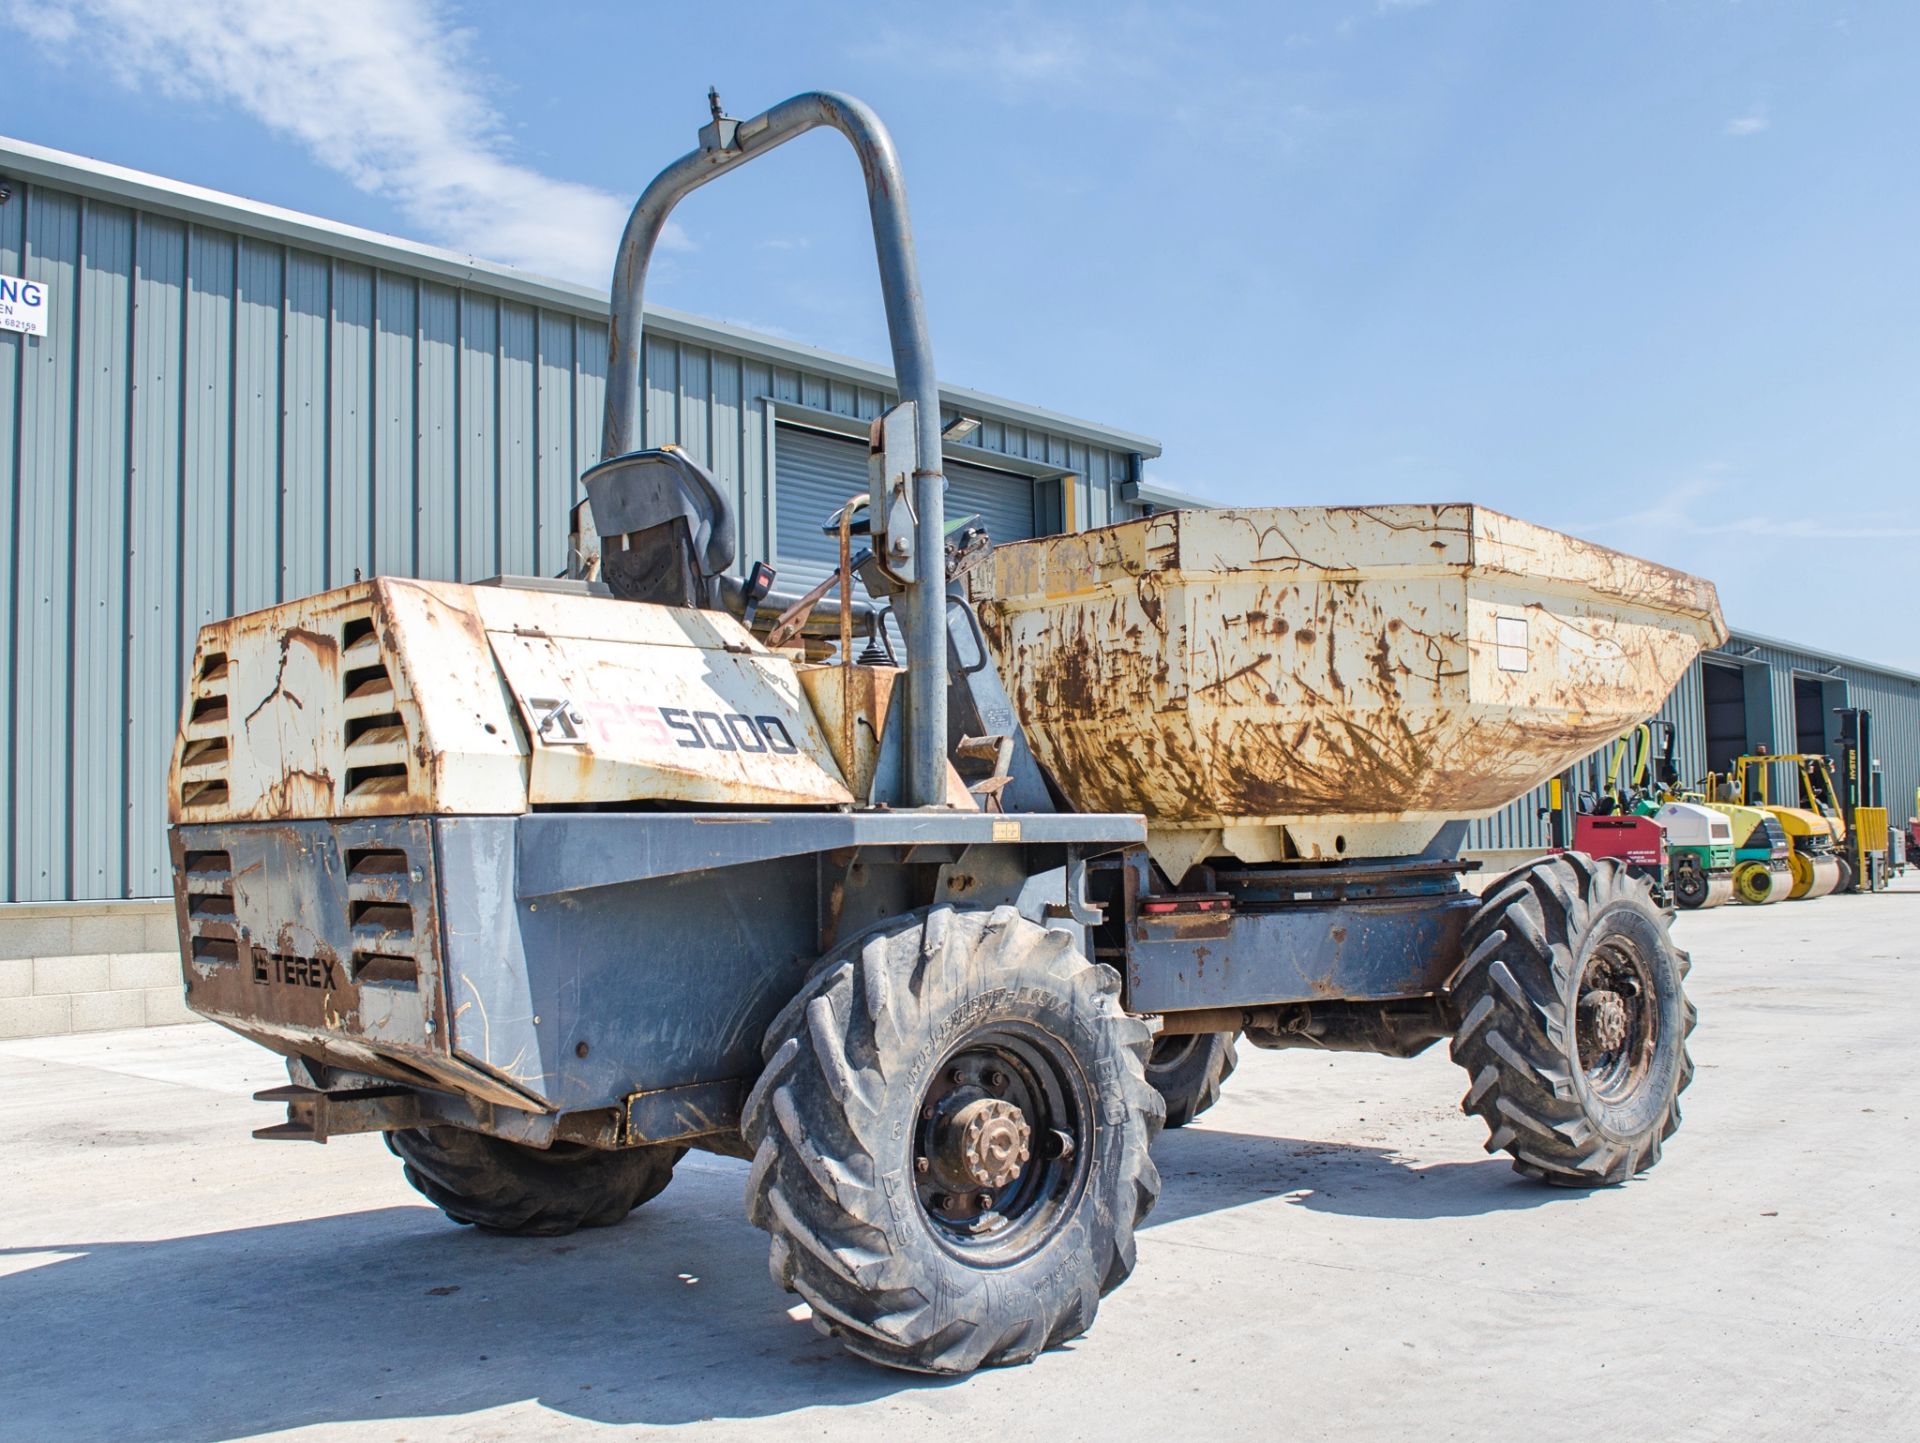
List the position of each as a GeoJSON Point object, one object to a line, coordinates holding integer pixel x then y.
{"type": "Point", "coordinates": [1327, 682]}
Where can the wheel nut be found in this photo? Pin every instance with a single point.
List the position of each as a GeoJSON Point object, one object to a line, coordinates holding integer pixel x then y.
{"type": "Point", "coordinates": [997, 1080]}
{"type": "Point", "coordinates": [956, 1077]}
{"type": "Point", "coordinates": [938, 1202]}
{"type": "Point", "coordinates": [921, 1165]}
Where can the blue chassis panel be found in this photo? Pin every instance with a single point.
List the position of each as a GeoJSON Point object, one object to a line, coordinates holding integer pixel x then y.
{"type": "Point", "coordinates": [594, 960]}
{"type": "Point", "coordinates": [586, 958]}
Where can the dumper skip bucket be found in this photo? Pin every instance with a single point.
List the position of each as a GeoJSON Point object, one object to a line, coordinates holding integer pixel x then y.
{"type": "Point", "coordinates": [1320, 682]}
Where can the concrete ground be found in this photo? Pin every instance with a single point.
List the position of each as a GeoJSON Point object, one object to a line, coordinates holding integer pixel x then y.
{"type": "Point", "coordinates": [1333, 1257]}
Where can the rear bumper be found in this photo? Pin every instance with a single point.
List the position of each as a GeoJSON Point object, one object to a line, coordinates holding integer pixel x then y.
{"type": "Point", "coordinates": [325, 939]}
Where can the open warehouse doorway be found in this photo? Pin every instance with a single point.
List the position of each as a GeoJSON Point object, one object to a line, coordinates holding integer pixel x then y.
{"type": "Point", "coordinates": [1815, 700]}
{"type": "Point", "coordinates": [1738, 710]}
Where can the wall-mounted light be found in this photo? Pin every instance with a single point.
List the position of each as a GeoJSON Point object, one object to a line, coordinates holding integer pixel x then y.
{"type": "Point", "coordinates": [6, 190]}
{"type": "Point", "coordinates": [959, 428]}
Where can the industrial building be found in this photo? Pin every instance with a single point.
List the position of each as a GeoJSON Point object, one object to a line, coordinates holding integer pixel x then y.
{"type": "Point", "coordinates": [1750, 695]}
{"type": "Point", "coordinates": [235, 404]}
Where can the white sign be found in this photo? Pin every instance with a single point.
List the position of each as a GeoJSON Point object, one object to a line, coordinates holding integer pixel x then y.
{"type": "Point", "coordinates": [23, 306]}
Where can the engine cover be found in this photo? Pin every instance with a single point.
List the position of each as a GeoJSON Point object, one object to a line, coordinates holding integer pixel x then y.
{"type": "Point", "coordinates": [397, 697]}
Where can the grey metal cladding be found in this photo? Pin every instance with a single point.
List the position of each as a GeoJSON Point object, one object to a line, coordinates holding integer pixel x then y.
{"type": "Point", "coordinates": [237, 405]}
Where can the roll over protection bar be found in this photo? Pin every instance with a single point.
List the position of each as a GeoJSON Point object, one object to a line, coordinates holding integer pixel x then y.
{"type": "Point", "coordinates": [724, 144]}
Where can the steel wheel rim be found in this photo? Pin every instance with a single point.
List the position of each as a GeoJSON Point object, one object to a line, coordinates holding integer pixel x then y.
{"type": "Point", "coordinates": [1614, 1069]}
{"type": "Point", "coordinates": [1044, 1083]}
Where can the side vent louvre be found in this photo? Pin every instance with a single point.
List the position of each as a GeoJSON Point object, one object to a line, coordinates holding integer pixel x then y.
{"type": "Point", "coordinates": [213, 939]}
{"type": "Point", "coordinates": [367, 783]}
{"type": "Point", "coordinates": [380, 907]}
{"type": "Point", "coordinates": [205, 747]}
{"type": "Point", "coordinates": [367, 683]}
{"type": "Point", "coordinates": [374, 731]}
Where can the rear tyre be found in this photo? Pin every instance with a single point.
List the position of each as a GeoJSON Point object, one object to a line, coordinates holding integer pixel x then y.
{"type": "Point", "coordinates": [508, 1187]}
{"type": "Point", "coordinates": [951, 1141]}
{"type": "Point", "coordinates": [1187, 1071]}
{"type": "Point", "coordinates": [1572, 1019]}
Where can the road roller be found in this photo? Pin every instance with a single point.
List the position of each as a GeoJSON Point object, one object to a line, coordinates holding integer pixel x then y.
{"type": "Point", "coordinates": [1762, 870]}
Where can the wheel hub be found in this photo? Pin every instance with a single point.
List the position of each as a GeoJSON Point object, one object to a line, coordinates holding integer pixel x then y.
{"type": "Point", "coordinates": [1603, 1022]}
{"type": "Point", "coordinates": [987, 1142]}
{"type": "Point", "coordinates": [996, 1141]}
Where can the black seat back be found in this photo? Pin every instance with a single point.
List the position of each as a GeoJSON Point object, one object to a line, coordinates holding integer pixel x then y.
{"type": "Point", "coordinates": [666, 528]}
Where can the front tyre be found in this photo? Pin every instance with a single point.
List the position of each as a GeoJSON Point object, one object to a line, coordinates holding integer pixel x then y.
{"type": "Point", "coordinates": [1571, 1021]}
{"type": "Point", "coordinates": [951, 1141]}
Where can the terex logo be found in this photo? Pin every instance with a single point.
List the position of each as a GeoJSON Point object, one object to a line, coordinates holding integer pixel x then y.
{"type": "Point", "coordinates": [314, 972]}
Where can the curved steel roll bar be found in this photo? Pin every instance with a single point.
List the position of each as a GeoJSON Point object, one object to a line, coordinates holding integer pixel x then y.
{"type": "Point", "coordinates": [724, 144]}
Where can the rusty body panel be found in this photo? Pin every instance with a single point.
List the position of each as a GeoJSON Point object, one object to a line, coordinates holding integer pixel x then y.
{"type": "Point", "coordinates": [393, 697]}
{"type": "Point", "coordinates": [1320, 682]}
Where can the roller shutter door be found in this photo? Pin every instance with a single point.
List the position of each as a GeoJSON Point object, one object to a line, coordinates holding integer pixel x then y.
{"type": "Point", "coordinates": [815, 473]}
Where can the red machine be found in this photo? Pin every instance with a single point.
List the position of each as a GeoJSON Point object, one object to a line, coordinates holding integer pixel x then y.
{"type": "Point", "coordinates": [1639, 842]}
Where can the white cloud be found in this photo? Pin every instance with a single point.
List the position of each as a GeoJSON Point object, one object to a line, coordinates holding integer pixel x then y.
{"type": "Point", "coordinates": [1023, 48]}
{"type": "Point", "coordinates": [383, 92]}
{"type": "Point", "coordinates": [1709, 505]}
{"type": "Point", "coordinates": [1752, 123]}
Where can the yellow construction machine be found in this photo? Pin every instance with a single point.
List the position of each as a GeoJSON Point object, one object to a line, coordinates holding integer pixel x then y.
{"type": "Point", "coordinates": [1817, 830]}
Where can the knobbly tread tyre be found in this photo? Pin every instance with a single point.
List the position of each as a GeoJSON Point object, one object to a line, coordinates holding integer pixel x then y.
{"type": "Point", "coordinates": [831, 1124]}
{"type": "Point", "coordinates": [509, 1187]}
{"type": "Point", "coordinates": [1191, 1084]}
{"type": "Point", "coordinates": [1513, 1006]}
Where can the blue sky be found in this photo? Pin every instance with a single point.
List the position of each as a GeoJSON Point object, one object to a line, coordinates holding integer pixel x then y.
{"type": "Point", "coordinates": [1643, 271]}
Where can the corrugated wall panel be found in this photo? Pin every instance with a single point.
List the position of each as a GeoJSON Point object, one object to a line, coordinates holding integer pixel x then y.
{"type": "Point", "coordinates": [153, 635]}
{"type": "Point", "coordinates": [589, 393]}
{"type": "Point", "coordinates": [479, 436]}
{"type": "Point", "coordinates": [518, 439]}
{"type": "Point", "coordinates": [556, 477]}
{"type": "Point", "coordinates": [257, 327]}
{"type": "Point", "coordinates": [206, 464]}
{"type": "Point", "coordinates": [97, 685]}
{"type": "Point", "coordinates": [395, 379]}
{"type": "Point", "coordinates": [350, 425]}
{"type": "Point", "coordinates": [303, 425]}
{"type": "Point", "coordinates": [43, 490]}
{"type": "Point", "coordinates": [436, 473]}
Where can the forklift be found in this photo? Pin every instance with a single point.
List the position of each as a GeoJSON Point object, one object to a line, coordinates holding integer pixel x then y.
{"type": "Point", "coordinates": [1862, 804]}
